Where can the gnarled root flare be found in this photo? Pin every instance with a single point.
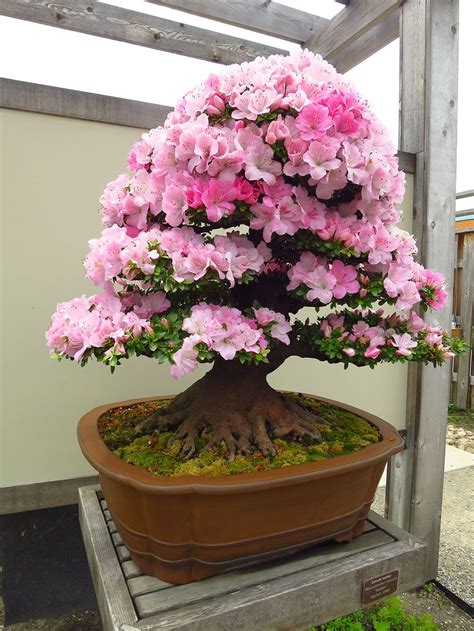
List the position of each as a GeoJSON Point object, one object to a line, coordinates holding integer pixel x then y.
{"type": "Point", "coordinates": [245, 419]}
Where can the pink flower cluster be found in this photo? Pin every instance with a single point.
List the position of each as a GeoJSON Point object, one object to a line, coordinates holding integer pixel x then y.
{"type": "Point", "coordinates": [281, 146]}
{"type": "Point", "coordinates": [230, 256]}
{"type": "Point", "coordinates": [376, 338]}
{"type": "Point", "coordinates": [102, 320]}
{"type": "Point", "coordinates": [116, 253]}
{"type": "Point", "coordinates": [226, 331]}
{"type": "Point", "coordinates": [324, 280]}
{"type": "Point", "coordinates": [328, 280]}
{"type": "Point", "coordinates": [327, 132]}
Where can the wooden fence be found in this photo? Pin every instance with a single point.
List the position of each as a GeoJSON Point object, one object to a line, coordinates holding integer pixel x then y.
{"type": "Point", "coordinates": [463, 369]}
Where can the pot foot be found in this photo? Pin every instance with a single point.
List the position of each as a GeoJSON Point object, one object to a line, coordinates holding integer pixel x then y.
{"type": "Point", "coordinates": [352, 534]}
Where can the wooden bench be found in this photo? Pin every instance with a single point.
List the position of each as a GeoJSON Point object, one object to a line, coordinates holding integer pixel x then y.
{"type": "Point", "coordinates": [309, 588]}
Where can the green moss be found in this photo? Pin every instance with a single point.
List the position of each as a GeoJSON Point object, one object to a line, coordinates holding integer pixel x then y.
{"type": "Point", "coordinates": [345, 434]}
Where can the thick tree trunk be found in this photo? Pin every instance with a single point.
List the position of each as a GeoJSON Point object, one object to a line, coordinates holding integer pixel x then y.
{"type": "Point", "coordinates": [233, 403]}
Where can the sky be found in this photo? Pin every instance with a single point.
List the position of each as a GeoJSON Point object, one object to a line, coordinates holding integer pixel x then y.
{"type": "Point", "coordinates": [92, 64]}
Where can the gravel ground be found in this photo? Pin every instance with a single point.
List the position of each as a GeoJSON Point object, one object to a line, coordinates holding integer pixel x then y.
{"type": "Point", "coordinates": [457, 541]}
{"type": "Point", "coordinates": [445, 613]}
{"type": "Point", "coordinates": [460, 437]}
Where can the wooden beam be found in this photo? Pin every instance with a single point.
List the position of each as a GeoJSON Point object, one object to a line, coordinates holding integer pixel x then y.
{"type": "Point", "coordinates": [463, 388]}
{"type": "Point", "coordinates": [106, 20]}
{"type": "Point", "coordinates": [349, 25]}
{"type": "Point", "coordinates": [26, 497]}
{"type": "Point", "coordinates": [465, 194]}
{"type": "Point", "coordinates": [407, 161]}
{"type": "Point", "coordinates": [46, 99]}
{"type": "Point", "coordinates": [115, 604]}
{"type": "Point", "coordinates": [270, 18]}
{"type": "Point", "coordinates": [379, 36]}
{"type": "Point", "coordinates": [429, 63]}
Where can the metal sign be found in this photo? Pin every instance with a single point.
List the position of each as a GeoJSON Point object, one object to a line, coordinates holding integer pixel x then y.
{"type": "Point", "coordinates": [380, 586]}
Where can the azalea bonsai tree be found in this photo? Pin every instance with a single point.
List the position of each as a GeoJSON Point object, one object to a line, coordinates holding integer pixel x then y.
{"type": "Point", "coordinates": [270, 188]}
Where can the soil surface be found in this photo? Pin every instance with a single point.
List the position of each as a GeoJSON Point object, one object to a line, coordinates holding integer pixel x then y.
{"type": "Point", "coordinates": [160, 452]}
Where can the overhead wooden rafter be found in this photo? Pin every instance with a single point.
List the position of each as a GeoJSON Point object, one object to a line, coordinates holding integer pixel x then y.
{"type": "Point", "coordinates": [270, 18]}
{"type": "Point", "coordinates": [134, 27]}
{"type": "Point", "coordinates": [342, 37]}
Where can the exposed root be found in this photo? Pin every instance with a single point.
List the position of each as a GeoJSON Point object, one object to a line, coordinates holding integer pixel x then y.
{"type": "Point", "coordinates": [253, 427]}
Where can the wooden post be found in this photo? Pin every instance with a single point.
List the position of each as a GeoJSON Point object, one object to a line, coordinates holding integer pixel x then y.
{"type": "Point", "coordinates": [428, 98]}
{"type": "Point", "coordinates": [466, 291]}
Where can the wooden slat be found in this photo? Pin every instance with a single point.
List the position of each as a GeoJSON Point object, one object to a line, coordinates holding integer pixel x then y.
{"type": "Point", "coordinates": [145, 584]}
{"type": "Point", "coordinates": [45, 99]}
{"type": "Point", "coordinates": [107, 515]}
{"type": "Point", "coordinates": [181, 596]}
{"type": "Point", "coordinates": [111, 526]}
{"type": "Point", "coordinates": [130, 570]}
{"type": "Point", "coordinates": [123, 553]}
{"type": "Point", "coordinates": [116, 539]}
{"type": "Point", "coordinates": [105, 20]}
{"type": "Point", "coordinates": [295, 601]}
{"type": "Point", "coordinates": [114, 601]}
{"type": "Point", "coordinates": [367, 44]}
{"type": "Point", "coordinates": [466, 293]}
{"type": "Point", "coordinates": [359, 17]}
{"type": "Point", "coordinates": [270, 18]}
{"type": "Point", "coordinates": [455, 378]}
{"type": "Point", "coordinates": [429, 62]}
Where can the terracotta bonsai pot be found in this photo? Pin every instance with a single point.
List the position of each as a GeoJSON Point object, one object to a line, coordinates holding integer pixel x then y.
{"type": "Point", "coordinates": [187, 528]}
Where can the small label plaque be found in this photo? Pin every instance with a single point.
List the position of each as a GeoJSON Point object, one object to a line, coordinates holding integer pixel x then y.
{"type": "Point", "coordinates": [379, 587]}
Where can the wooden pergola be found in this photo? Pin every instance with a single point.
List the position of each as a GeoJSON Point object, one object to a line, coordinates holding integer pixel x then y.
{"type": "Point", "coordinates": [428, 32]}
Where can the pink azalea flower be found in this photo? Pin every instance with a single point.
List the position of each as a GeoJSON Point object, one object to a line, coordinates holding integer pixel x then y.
{"type": "Point", "coordinates": [313, 121]}
{"type": "Point", "coordinates": [415, 323]}
{"type": "Point", "coordinates": [322, 284]}
{"type": "Point", "coordinates": [407, 296]}
{"type": "Point", "coordinates": [321, 157]}
{"type": "Point", "coordinates": [314, 212]}
{"type": "Point", "coordinates": [279, 329]}
{"type": "Point", "coordinates": [396, 278]}
{"type": "Point", "coordinates": [185, 360]}
{"type": "Point", "coordinates": [218, 199]}
{"type": "Point", "coordinates": [346, 282]}
{"type": "Point", "coordinates": [260, 164]}
{"type": "Point", "coordinates": [174, 205]}
{"type": "Point", "coordinates": [295, 149]}
{"type": "Point", "coordinates": [113, 200]}
{"type": "Point", "coordinates": [404, 344]}
{"type": "Point", "coordinates": [152, 304]}
{"type": "Point", "coordinates": [372, 352]}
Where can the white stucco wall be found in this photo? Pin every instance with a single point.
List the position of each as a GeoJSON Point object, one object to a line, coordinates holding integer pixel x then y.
{"type": "Point", "coordinates": [52, 172]}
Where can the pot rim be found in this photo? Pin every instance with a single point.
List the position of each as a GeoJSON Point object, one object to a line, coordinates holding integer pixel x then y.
{"type": "Point", "coordinates": [107, 463]}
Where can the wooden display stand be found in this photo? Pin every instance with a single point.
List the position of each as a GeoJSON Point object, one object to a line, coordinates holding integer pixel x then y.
{"type": "Point", "coordinates": [298, 592]}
